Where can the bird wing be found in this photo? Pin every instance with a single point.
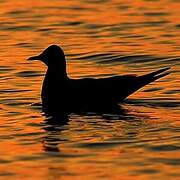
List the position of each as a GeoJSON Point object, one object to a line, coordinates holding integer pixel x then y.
{"type": "Point", "coordinates": [113, 89]}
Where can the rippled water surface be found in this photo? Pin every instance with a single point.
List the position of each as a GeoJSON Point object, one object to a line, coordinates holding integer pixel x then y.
{"type": "Point", "coordinates": [100, 38]}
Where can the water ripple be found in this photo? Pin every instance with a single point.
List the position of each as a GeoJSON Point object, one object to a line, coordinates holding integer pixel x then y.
{"type": "Point", "coordinates": [28, 74]}
{"type": "Point", "coordinates": [164, 148]}
{"type": "Point", "coordinates": [100, 38]}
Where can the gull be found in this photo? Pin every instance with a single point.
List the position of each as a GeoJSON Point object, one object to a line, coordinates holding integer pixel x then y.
{"type": "Point", "coordinates": [62, 93]}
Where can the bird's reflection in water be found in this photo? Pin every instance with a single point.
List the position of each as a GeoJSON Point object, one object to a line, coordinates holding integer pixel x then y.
{"type": "Point", "coordinates": [54, 125]}
{"type": "Point", "coordinates": [56, 122]}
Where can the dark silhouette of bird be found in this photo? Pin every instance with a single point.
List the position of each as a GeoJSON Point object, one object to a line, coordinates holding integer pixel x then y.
{"type": "Point", "coordinates": [61, 93]}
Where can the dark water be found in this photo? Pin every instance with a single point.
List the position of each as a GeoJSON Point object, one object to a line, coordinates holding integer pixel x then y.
{"type": "Point", "coordinates": [100, 38]}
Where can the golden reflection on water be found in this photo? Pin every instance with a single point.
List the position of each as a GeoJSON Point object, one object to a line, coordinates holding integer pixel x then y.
{"type": "Point", "coordinates": [144, 146]}
{"type": "Point", "coordinates": [157, 33]}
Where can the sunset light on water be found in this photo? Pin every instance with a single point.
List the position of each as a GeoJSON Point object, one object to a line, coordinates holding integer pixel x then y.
{"type": "Point", "coordinates": [100, 38]}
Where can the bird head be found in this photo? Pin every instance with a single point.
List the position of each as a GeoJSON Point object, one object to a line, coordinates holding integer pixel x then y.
{"type": "Point", "coordinates": [51, 56]}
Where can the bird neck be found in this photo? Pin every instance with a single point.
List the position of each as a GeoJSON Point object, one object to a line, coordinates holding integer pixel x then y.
{"type": "Point", "coordinates": [58, 68]}
{"type": "Point", "coordinates": [57, 72]}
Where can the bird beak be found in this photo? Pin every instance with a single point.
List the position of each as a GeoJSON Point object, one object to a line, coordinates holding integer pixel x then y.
{"type": "Point", "coordinates": [35, 58]}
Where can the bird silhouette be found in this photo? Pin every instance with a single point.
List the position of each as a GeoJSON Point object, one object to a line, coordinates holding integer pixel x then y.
{"type": "Point", "coordinates": [61, 93]}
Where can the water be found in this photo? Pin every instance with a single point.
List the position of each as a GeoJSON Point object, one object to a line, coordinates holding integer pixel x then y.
{"type": "Point", "coordinates": [100, 38]}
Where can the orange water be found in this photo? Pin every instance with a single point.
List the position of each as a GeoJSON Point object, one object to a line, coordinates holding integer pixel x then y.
{"type": "Point", "coordinates": [100, 38]}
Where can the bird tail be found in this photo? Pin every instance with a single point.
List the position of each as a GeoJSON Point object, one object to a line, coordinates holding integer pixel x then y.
{"type": "Point", "coordinates": [143, 80]}
{"type": "Point", "coordinates": [150, 77]}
